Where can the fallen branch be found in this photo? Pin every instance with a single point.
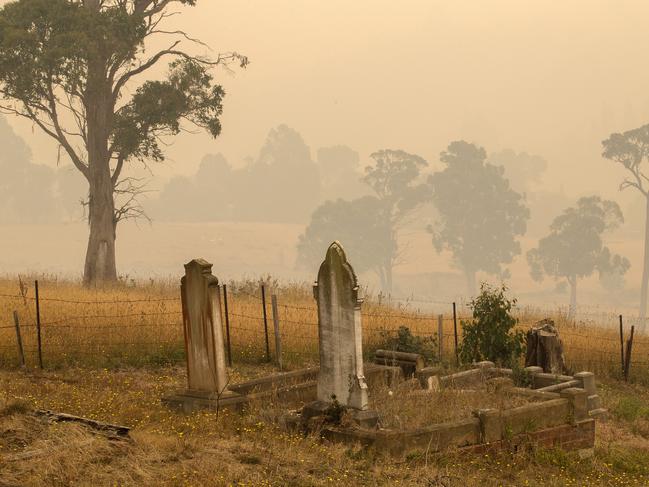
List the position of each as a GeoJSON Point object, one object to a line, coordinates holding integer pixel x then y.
{"type": "Point", "coordinates": [97, 425]}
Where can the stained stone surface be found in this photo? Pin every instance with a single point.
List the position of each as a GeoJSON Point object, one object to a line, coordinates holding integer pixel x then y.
{"type": "Point", "coordinates": [201, 304]}
{"type": "Point", "coordinates": [339, 327]}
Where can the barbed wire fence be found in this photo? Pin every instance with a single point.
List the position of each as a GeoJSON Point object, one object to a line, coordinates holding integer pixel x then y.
{"type": "Point", "coordinates": [149, 330]}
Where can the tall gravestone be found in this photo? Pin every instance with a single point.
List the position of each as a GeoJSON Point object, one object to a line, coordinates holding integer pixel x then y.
{"type": "Point", "coordinates": [341, 376]}
{"type": "Point", "coordinates": [207, 376]}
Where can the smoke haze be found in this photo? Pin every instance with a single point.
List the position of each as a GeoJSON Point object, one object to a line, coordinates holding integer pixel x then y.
{"type": "Point", "coordinates": [549, 80]}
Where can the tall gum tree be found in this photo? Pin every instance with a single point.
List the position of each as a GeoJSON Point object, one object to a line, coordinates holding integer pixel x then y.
{"type": "Point", "coordinates": [574, 248]}
{"type": "Point", "coordinates": [69, 67]}
{"type": "Point", "coordinates": [480, 217]}
{"type": "Point", "coordinates": [631, 150]}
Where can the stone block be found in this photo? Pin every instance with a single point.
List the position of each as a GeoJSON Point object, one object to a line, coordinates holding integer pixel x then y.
{"type": "Point", "coordinates": [490, 425]}
{"type": "Point", "coordinates": [531, 417]}
{"type": "Point", "coordinates": [424, 374]}
{"type": "Point", "coordinates": [578, 399]}
{"type": "Point", "coordinates": [587, 380]}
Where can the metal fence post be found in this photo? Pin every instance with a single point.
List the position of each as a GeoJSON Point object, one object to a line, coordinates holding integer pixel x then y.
{"type": "Point", "coordinates": [263, 303]}
{"type": "Point", "coordinates": [440, 336]}
{"type": "Point", "coordinates": [19, 339]}
{"type": "Point", "coordinates": [38, 326]}
{"type": "Point", "coordinates": [278, 338]}
{"type": "Point", "coordinates": [227, 324]}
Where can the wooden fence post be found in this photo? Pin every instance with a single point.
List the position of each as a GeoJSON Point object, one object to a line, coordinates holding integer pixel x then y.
{"type": "Point", "coordinates": [263, 304]}
{"type": "Point", "coordinates": [622, 344]}
{"type": "Point", "coordinates": [19, 339]}
{"type": "Point", "coordinates": [227, 324]}
{"type": "Point", "coordinates": [278, 338]}
{"type": "Point", "coordinates": [627, 362]}
{"type": "Point", "coordinates": [440, 336]}
{"type": "Point", "coordinates": [457, 356]}
{"type": "Point", "coordinates": [38, 326]}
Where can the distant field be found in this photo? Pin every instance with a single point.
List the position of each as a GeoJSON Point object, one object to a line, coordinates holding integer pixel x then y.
{"type": "Point", "coordinates": [241, 250]}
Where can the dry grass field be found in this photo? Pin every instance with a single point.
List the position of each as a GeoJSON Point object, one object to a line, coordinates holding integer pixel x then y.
{"type": "Point", "coordinates": [111, 354]}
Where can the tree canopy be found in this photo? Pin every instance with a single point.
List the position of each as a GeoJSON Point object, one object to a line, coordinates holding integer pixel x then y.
{"type": "Point", "coordinates": [574, 248]}
{"type": "Point", "coordinates": [630, 149]}
{"type": "Point", "coordinates": [357, 224]}
{"type": "Point", "coordinates": [479, 215]}
{"type": "Point", "coordinates": [71, 67]}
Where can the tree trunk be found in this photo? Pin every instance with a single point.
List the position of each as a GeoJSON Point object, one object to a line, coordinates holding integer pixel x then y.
{"type": "Point", "coordinates": [572, 311]}
{"type": "Point", "coordinates": [388, 277]}
{"type": "Point", "coordinates": [645, 271]}
{"type": "Point", "coordinates": [470, 282]}
{"type": "Point", "coordinates": [100, 255]}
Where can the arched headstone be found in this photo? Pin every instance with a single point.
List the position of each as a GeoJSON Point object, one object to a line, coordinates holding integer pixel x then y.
{"type": "Point", "coordinates": [340, 334]}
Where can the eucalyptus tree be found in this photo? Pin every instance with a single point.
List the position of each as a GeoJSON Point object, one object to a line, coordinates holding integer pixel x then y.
{"type": "Point", "coordinates": [630, 149]}
{"type": "Point", "coordinates": [74, 68]}
{"type": "Point", "coordinates": [480, 217]}
{"type": "Point", "coordinates": [574, 248]}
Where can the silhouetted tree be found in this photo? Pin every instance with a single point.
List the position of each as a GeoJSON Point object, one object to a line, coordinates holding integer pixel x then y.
{"type": "Point", "coordinates": [480, 216]}
{"type": "Point", "coordinates": [69, 66]}
{"type": "Point", "coordinates": [71, 192]}
{"type": "Point", "coordinates": [27, 190]}
{"type": "Point", "coordinates": [283, 183]}
{"type": "Point", "coordinates": [340, 173]}
{"type": "Point", "coordinates": [358, 225]}
{"type": "Point", "coordinates": [395, 179]}
{"type": "Point", "coordinates": [523, 170]}
{"type": "Point", "coordinates": [574, 248]}
{"type": "Point", "coordinates": [631, 150]}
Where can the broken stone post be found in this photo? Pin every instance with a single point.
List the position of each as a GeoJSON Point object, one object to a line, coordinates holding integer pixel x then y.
{"type": "Point", "coordinates": [341, 376]}
{"type": "Point", "coordinates": [207, 376]}
{"type": "Point", "coordinates": [544, 348]}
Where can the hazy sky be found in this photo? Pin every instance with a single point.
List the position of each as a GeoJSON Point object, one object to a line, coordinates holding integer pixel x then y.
{"type": "Point", "coordinates": [549, 77]}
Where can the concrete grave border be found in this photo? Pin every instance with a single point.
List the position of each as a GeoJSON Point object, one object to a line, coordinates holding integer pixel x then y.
{"type": "Point", "coordinates": [563, 415]}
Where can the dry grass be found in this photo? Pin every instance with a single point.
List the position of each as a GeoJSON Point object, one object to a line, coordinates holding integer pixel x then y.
{"type": "Point", "coordinates": [408, 407]}
{"type": "Point", "coordinates": [140, 324]}
{"type": "Point", "coordinates": [206, 449]}
{"type": "Point", "coordinates": [99, 335]}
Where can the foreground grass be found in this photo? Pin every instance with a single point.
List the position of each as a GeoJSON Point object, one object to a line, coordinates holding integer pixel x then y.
{"type": "Point", "coordinates": [207, 448]}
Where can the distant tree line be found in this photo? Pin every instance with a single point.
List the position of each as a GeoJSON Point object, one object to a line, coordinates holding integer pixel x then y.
{"type": "Point", "coordinates": [34, 193]}
{"type": "Point", "coordinates": [283, 183]}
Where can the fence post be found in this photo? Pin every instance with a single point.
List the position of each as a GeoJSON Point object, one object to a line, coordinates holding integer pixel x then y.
{"type": "Point", "coordinates": [457, 356]}
{"type": "Point", "coordinates": [627, 363]}
{"type": "Point", "coordinates": [227, 325]}
{"type": "Point", "coordinates": [622, 344]}
{"type": "Point", "coordinates": [440, 335]}
{"type": "Point", "coordinates": [38, 326]}
{"type": "Point", "coordinates": [263, 304]}
{"type": "Point", "coordinates": [19, 339]}
{"type": "Point", "coordinates": [278, 338]}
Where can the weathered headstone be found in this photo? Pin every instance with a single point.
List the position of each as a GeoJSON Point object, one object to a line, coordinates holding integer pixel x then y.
{"type": "Point", "coordinates": [341, 379]}
{"type": "Point", "coordinates": [544, 348]}
{"type": "Point", "coordinates": [207, 376]}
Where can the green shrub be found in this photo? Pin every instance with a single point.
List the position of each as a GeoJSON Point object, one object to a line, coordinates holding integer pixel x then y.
{"type": "Point", "coordinates": [490, 335]}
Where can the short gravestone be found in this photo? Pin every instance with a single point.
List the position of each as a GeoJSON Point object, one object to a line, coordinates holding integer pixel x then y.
{"type": "Point", "coordinates": [341, 381]}
{"type": "Point", "coordinates": [207, 376]}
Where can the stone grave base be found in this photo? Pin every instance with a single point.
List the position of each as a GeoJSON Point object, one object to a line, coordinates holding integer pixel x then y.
{"type": "Point", "coordinates": [298, 385]}
{"type": "Point", "coordinates": [562, 414]}
{"type": "Point", "coordinates": [188, 401]}
{"type": "Point", "coordinates": [320, 409]}
{"type": "Point", "coordinates": [464, 435]}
